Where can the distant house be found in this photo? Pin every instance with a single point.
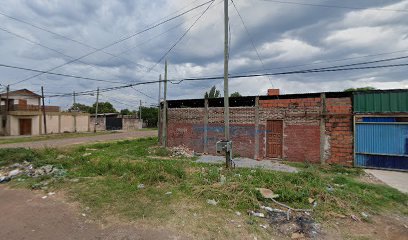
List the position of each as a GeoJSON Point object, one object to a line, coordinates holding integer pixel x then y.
{"type": "Point", "coordinates": [115, 121]}
{"type": "Point", "coordinates": [21, 114]}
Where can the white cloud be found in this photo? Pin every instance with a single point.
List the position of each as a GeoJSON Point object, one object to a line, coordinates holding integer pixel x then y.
{"type": "Point", "coordinates": [289, 49]}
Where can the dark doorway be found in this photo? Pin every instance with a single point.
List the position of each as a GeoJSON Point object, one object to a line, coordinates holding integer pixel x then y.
{"type": "Point", "coordinates": [113, 123]}
{"type": "Point", "coordinates": [275, 138]}
{"type": "Point", "coordinates": [25, 126]}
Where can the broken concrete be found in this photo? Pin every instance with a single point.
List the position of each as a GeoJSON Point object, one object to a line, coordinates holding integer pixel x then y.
{"type": "Point", "coordinates": [249, 163]}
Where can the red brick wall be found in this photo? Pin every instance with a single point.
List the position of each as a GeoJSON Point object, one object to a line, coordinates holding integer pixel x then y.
{"type": "Point", "coordinates": [339, 128]}
{"type": "Point", "coordinates": [301, 133]}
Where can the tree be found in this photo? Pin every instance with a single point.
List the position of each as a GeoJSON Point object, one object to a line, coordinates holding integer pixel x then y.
{"type": "Point", "coordinates": [214, 93]}
{"type": "Point", "coordinates": [149, 116]}
{"type": "Point", "coordinates": [103, 107]}
{"type": "Point", "coordinates": [79, 107]}
{"type": "Point", "coordinates": [126, 112]}
{"type": "Point", "coordinates": [360, 89]}
{"type": "Point", "coordinates": [236, 94]}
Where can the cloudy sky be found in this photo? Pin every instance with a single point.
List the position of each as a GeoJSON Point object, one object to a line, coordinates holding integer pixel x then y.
{"type": "Point", "coordinates": [288, 36]}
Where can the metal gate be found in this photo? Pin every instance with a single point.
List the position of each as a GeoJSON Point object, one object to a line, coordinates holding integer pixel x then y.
{"type": "Point", "coordinates": [113, 123]}
{"type": "Point", "coordinates": [381, 142]}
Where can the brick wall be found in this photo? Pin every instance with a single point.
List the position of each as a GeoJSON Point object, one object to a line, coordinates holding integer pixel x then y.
{"type": "Point", "coordinates": [301, 129]}
{"type": "Point", "coordinates": [339, 128]}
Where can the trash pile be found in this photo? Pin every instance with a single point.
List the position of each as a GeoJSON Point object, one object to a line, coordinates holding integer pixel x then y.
{"type": "Point", "coordinates": [294, 223]}
{"type": "Point", "coordinates": [181, 151]}
{"type": "Point", "coordinates": [27, 169]}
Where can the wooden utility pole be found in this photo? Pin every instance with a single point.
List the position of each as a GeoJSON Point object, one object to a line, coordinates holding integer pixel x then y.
{"type": "Point", "coordinates": [43, 110]}
{"type": "Point", "coordinates": [74, 108]}
{"type": "Point", "coordinates": [158, 114]}
{"type": "Point", "coordinates": [164, 128]}
{"type": "Point", "coordinates": [6, 109]}
{"type": "Point", "coordinates": [140, 111]}
{"type": "Point", "coordinates": [226, 95]}
{"type": "Point", "coordinates": [96, 109]}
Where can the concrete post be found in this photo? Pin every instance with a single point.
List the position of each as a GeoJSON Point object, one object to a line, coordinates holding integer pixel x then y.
{"type": "Point", "coordinates": [323, 136]}
{"type": "Point", "coordinates": [59, 123]}
{"type": "Point", "coordinates": [256, 155]}
{"type": "Point", "coordinates": [206, 125]}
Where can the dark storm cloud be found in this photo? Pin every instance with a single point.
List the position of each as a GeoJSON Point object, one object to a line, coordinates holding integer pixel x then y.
{"type": "Point", "coordinates": [285, 35]}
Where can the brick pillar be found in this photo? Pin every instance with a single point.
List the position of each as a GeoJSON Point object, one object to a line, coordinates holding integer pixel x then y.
{"type": "Point", "coordinates": [206, 125]}
{"type": "Point", "coordinates": [323, 136]}
{"type": "Point", "coordinates": [256, 155]}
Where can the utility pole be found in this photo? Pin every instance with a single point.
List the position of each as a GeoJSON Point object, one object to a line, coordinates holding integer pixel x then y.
{"type": "Point", "coordinates": [43, 110]}
{"type": "Point", "coordinates": [96, 110]}
{"type": "Point", "coordinates": [140, 111]}
{"type": "Point", "coordinates": [6, 108]}
{"type": "Point", "coordinates": [164, 128]}
{"type": "Point", "coordinates": [75, 110]}
{"type": "Point", "coordinates": [226, 95]}
{"type": "Point", "coordinates": [159, 115]}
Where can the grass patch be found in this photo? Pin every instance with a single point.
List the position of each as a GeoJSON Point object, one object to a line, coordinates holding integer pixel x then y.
{"type": "Point", "coordinates": [109, 175]}
{"type": "Point", "coordinates": [8, 140]}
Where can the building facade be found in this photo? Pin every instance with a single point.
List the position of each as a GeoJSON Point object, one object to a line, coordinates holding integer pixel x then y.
{"type": "Point", "coordinates": [21, 114]}
{"type": "Point", "coordinates": [315, 127]}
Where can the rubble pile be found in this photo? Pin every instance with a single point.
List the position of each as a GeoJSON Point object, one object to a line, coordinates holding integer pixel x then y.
{"type": "Point", "coordinates": [27, 169]}
{"type": "Point", "coordinates": [181, 151]}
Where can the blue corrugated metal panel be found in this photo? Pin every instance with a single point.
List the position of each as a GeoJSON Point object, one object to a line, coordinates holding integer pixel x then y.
{"type": "Point", "coordinates": [379, 119]}
{"type": "Point", "coordinates": [390, 162]}
{"type": "Point", "coordinates": [382, 138]}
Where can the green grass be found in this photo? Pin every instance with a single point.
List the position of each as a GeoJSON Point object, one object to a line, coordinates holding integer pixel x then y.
{"type": "Point", "coordinates": [109, 176]}
{"type": "Point", "coordinates": [8, 140]}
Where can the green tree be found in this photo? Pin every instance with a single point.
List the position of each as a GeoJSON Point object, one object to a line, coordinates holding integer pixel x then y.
{"type": "Point", "coordinates": [103, 107]}
{"type": "Point", "coordinates": [79, 107]}
{"type": "Point", "coordinates": [236, 94]}
{"type": "Point", "coordinates": [126, 112]}
{"type": "Point", "coordinates": [360, 89]}
{"type": "Point", "coordinates": [149, 116]}
{"type": "Point", "coordinates": [214, 93]}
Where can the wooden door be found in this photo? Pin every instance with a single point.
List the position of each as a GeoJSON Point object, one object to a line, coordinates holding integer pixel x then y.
{"type": "Point", "coordinates": [25, 126]}
{"type": "Point", "coordinates": [275, 138]}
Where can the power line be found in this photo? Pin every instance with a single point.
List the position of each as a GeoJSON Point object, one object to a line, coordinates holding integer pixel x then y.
{"type": "Point", "coordinates": [328, 61]}
{"type": "Point", "coordinates": [238, 76]}
{"type": "Point", "coordinates": [143, 93]}
{"type": "Point", "coordinates": [250, 38]}
{"type": "Point", "coordinates": [79, 42]}
{"type": "Point", "coordinates": [119, 41]}
{"type": "Point", "coordinates": [182, 36]}
{"type": "Point", "coordinates": [336, 6]}
{"type": "Point", "coordinates": [58, 74]}
{"type": "Point", "coordinates": [49, 48]}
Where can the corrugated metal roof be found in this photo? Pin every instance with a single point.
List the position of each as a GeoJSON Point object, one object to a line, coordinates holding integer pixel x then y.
{"type": "Point", "coordinates": [381, 101]}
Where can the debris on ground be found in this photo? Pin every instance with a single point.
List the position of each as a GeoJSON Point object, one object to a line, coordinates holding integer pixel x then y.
{"type": "Point", "coordinates": [256, 214]}
{"type": "Point", "coordinates": [297, 226]}
{"type": "Point", "coordinates": [140, 186]}
{"type": "Point", "coordinates": [26, 169]}
{"type": "Point", "coordinates": [86, 154]}
{"type": "Point", "coordinates": [168, 193]}
{"type": "Point", "coordinates": [212, 202]}
{"type": "Point", "coordinates": [267, 193]}
{"type": "Point", "coordinates": [181, 151]}
{"type": "Point", "coordinates": [238, 213]}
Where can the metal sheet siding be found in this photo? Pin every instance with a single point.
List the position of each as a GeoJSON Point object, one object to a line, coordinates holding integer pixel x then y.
{"type": "Point", "coordinates": [382, 145]}
{"type": "Point", "coordinates": [381, 102]}
{"type": "Point", "coordinates": [382, 138]}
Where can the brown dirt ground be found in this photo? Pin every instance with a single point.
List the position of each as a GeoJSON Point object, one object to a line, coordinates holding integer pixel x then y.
{"type": "Point", "coordinates": [26, 215]}
{"type": "Point", "coordinates": [64, 142]}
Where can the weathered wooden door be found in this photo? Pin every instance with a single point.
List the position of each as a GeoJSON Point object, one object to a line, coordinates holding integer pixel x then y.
{"type": "Point", "coordinates": [25, 126]}
{"type": "Point", "coordinates": [275, 138]}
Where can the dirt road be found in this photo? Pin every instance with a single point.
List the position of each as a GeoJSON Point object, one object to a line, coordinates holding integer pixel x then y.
{"type": "Point", "coordinates": [27, 215]}
{"type": "Point", "coordinates": [82, 140]}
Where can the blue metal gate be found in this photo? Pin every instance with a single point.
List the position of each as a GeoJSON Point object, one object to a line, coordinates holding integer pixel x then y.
{"type": "Point", "coordinates": [381, 143]}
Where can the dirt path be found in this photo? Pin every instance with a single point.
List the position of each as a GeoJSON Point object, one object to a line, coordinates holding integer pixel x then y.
{"type": "Point", "coordinates": [26, 215]}
{"type": "Point", "coordinates": [81, 140]}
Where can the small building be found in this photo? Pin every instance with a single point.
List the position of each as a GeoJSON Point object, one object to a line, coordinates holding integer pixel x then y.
{"type": "Point", "coordinates": [311, 127]}
{"type": "Point", "coordinates": [21, 114]}
{"type": "Point", "coordinates": [115, 121]}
